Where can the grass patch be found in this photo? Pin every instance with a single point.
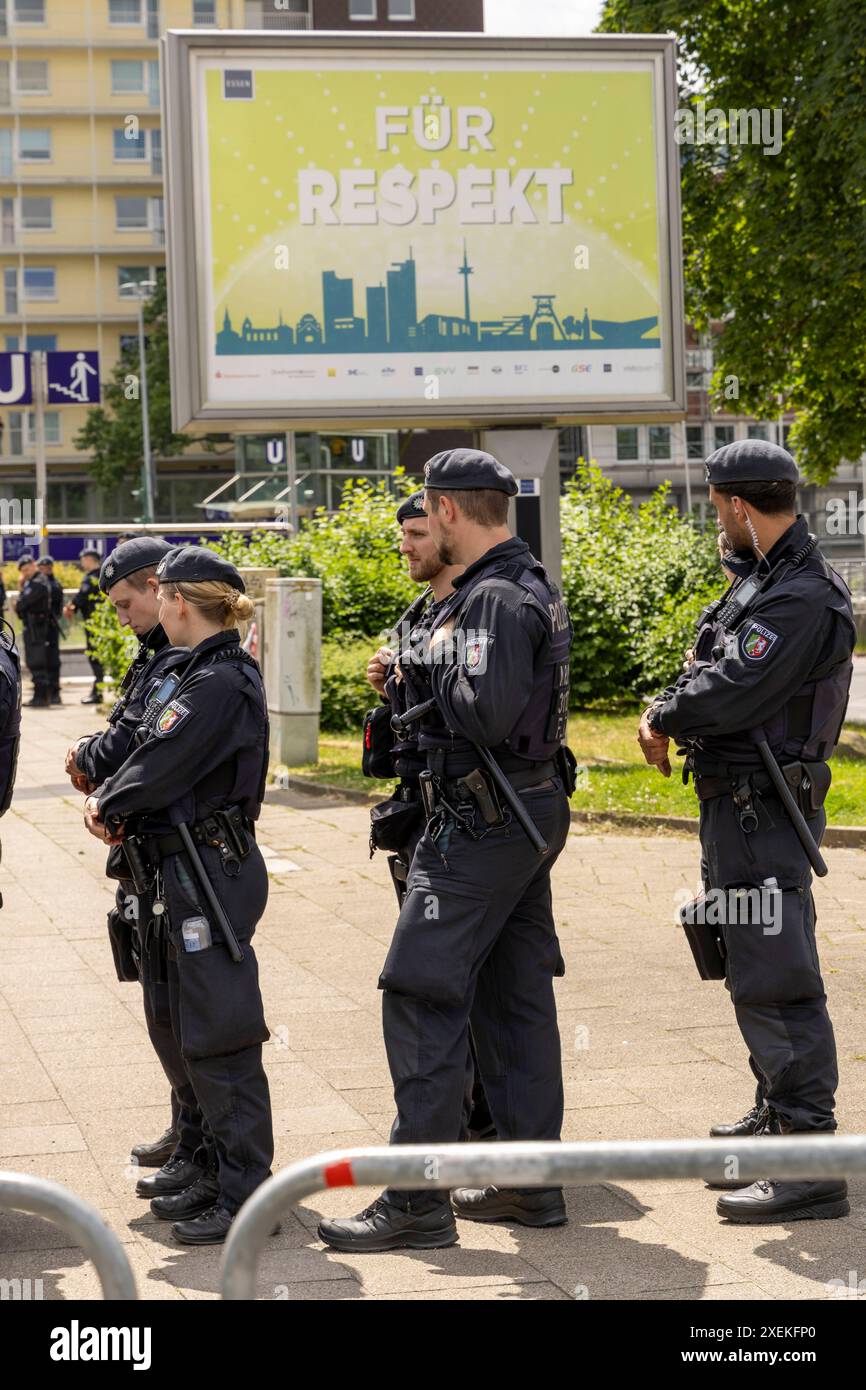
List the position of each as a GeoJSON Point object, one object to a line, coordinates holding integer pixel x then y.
{"type": "Point", "coordinates": [614, 777]}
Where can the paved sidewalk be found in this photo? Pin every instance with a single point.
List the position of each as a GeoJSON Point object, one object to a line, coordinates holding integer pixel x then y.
{"type": "Point", "coordinates": [649, 1052]}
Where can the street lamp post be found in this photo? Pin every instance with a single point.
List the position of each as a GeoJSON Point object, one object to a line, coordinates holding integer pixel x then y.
{"type": "Point", "coordinates": [140, 291]}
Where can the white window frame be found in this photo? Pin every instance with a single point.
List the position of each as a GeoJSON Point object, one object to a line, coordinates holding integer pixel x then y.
{"type": "Point", "coordinates": [21, 224]}
{"type": "Point", "coordinates": [31, 91]}
{"type": "Point", "coordinates": [364, 18]}
{"type": "Point", "coordinates": [205, 23]}
{"type": "Point", "coordinates": [30, 428]}
{"type": "Point", "coordinates": [149, 274]}
{"type": "Point", "coordinates": [659, 458]}
{"type": "Point", "coordinates": [130, 158]}
{"type": "Point", "coordinates": [35, 159]}
{"type": "Point", "coordinates": [636, 429]}
{"type": "Point", "coordinates": [129, 91]}
{"type": "Point", "coordinates": [29, 23]}
{"type": "Point", "coordinates": [37, 298]}
{"type": "Point", "coordinates": [126, 23]}
{"type": "Point", "coordinates": [137, 197]}
{"type": "Point", "coordinates": [402, 18]}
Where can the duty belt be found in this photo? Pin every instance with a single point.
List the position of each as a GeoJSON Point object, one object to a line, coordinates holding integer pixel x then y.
{"type": "Point", "coordinates": [520, 780]}
{"type": "Point", "coordinates": [228, 831]}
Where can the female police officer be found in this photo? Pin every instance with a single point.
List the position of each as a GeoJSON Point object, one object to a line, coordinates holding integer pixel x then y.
{"type": "Point", "coordinates": [183, 805]}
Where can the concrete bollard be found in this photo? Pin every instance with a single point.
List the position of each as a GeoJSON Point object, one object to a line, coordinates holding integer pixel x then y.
{"type": "Point", "coordinates": [293, 674]}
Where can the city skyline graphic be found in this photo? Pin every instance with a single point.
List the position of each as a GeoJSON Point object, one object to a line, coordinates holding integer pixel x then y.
{"type": "Point", "coordinates": [391, 324]}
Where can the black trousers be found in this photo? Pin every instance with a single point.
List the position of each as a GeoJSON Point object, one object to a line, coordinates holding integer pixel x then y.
{"type": "Point", "coordinates": [52, 663]}
{"type": "Point", "coordinates": [773, 973]}
{"type": "Point", "coordinates": [217, 1018]}
{"type": "Point", "coordinates": [476, 937]}
{"type": "Point", "coordinates": [93, 659]}
{"type": "Point", "coordinates": [37, 660]}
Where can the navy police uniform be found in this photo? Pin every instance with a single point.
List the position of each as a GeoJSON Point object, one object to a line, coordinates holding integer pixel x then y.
{"type": "Point", "coordinates": [781, 669]}
{"type": "Point", "coordinates": [100, 755]}
{"type": "Point", "coordinates": [475, 935]}
{"type": "Point", "coordinates": [34, 610]}
{"type": "Point", "coordinates": [85, 602]}
{"type": "Point", "coordinates": [202, 763]}
{"type": "Point", "coordinates": [10, 715]}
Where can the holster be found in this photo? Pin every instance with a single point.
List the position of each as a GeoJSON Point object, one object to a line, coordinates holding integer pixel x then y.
{"type": "Point", "coordinates": [377, 758]}
{"type": "Point", "coordinates": [393, 822]}
{"type": "Point", "coordinates": [705, 942]}
{"type": "Point", "coordinates": [810, 783]}
{"type": "Point", "coordinates": [123, 939]}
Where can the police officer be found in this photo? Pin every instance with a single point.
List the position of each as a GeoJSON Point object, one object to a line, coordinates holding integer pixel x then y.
{"type": "Point", "coordinates": [34, 610]}
{"type": "Point", "coordinates": [402, 826]}
{"type": "Point", "coordinates": [776, 665]}
{"type": "Point", "coordinates": [184, 805]}
{"type": "Point", "coordinates": [10, 715]}
{"type": "Point", "coordinates": [475, 933]}
{"type": "Point", "coordinates": [85, 602]}
{"type": "Point", "coordinates": [128, 579]}
{"type": "Point", "coordinates": [45, 564]}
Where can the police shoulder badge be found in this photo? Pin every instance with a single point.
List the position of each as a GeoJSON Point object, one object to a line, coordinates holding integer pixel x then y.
{"type": "Point", "coordinates": [475, 653]}
{"type": "Point", "coordinates": [757, 641]}
{"type": "Point", "coordinates": [173, 715]}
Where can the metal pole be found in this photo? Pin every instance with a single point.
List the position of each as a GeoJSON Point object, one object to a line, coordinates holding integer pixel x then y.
{"type": "Point", "coordinates": [81, 1222]}
{"type": "Point", "coordinates": [37, 364]}
{"type": "Point", "coordinates": [526, 1164]}
{"type": "Point", "coordinates": [145, 420]}
{"type": "Point", "coordinates": [292, 471]}
{"type": "Point", "coordinates": [861, 518]}
{"type": "Point", "coordinates": [686, 467]}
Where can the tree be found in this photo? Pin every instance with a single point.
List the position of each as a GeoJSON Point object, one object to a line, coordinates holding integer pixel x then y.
{"type": "Point", "coordinates": [113, 430]}
{"type": "Point", "coordinates": [775, 244]}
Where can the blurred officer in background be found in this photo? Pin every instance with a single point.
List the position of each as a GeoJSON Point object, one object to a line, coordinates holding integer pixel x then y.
{"type": "Point", "coordinates": [85, 602]}
{"type": "Point", "coordinates": [34, 611]}
{"type": "Point", "coordinates": [46, 567]}
{"type": "Point", "coordinates": [10, 715]}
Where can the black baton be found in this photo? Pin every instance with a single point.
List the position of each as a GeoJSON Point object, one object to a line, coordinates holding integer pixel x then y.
{"type": "Point", "coordinates": [213, 902]}
{"type": "Point", "coordinates": [804, 835]}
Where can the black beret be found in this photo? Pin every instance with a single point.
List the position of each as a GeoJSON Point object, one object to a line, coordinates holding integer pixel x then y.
{"type": "Point", "coordinates": [195, 564]}
{"type": "Point", "coordinates": [45, 560]}
{"type": "Point", "coordinates": [130, 556]}
{"type": "Point", "coordinates": [411, 508]}
{"type": "Point", "coordinates": [751, 461]}
{"type": "Point", "coordinates": [461, 469]}
{"type": "Point", "coordinates": [90, 550]}
{"type": "Point", "coordinates": [25, 558]}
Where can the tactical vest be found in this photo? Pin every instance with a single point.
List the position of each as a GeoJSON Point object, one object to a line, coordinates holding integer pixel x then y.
{"type": "Point", "coordinates": [10, 738]}
{"type": "Point", "coordinates": [808, 725]}
{"type": "Point", "coordinates": [542, 726]}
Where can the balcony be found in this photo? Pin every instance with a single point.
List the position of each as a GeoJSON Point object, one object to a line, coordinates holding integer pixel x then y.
{"type": "Point", "coordinates": [261, 14]}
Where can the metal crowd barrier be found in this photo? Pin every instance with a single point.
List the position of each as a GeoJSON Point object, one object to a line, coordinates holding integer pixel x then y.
{"type": "Point", "coordinates": [525, 1165]}
{"type": "Point", "coordinates": [81, 1222]}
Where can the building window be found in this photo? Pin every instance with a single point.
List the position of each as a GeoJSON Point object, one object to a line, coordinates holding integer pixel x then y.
{"type": "Point", "coordinates": [626, 443]}
{"type": "Point", "coordinates": [127, 75]}
{"type": "Point", "coordinates": [204, 12]}
{"type": "Point", "coordinates": [129, 344]}
{"type": "Point", "coordinates": [723, 434]}
{"type": "Point", "coordinates": [41, 342]}
{"type": "Point", "coordinates": [124, 11]}
{"type": "Point", "coordinates": [10, 290]}
{"type": "Point", "coordinates": [784, 430]}
{"type": "Point", "coordinates": [31, 77]}
{"type": "Point", "coordinates": [694, 441]}
{"type": "Point", "coordinates": [695, 381]}
{"type": "Point", "coordinates": [362, 9]}
{"type": "Point", "coordinates": [40, 282]}
{"type": "Point", "coordinates": [131, 214]}
{"type": "Point", "coordinates": [52, 428]}
{"type": "Point", "coordinates": [156, 151]}
{"type": "Point", "coordinates": [153, 19]}
{"type": "Point", "coordinates": [128, 146]}
{"type": "Point", "coordinates": [29, 11]}
{"type": "Point", "coordinates": [34, 145]}
{"type": "Point", "coordinates": [6, 153]}
{"type": "Point", "coordinates": [132, 275]}
{"type": "Point", "coordinates": [659, 441]}
{"type": "Point", "coordinates": [758, 432]}
{"type": "Point", "coordinates": [5, 86]}
{"type": "Point", "coordinates": [37, 214]}
{"type": "Point", "coordinates": [401, 9]}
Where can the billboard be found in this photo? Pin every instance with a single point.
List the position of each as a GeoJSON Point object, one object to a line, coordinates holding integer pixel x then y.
{"type": "Point", "coordinates": [422, 230]}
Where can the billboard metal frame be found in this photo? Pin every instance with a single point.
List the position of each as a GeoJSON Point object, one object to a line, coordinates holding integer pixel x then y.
{"type": "Point", "coordinates": [180, 49]}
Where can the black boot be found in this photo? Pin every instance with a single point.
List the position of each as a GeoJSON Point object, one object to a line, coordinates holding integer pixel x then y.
{"type": "Point", "coordinates": [771, 1203]}
{"type": "Point", "coordinates": [194, 1200]}
{"type": "Point", "coordinates": [384, 1226]}
{"type": "Point", "coordinates": [740, 1129]}
{"type": "Point", "coordinates": [175, 1176]}
{"type": "Point", "coordinates": [530, 1206]}
{"type": "Point", "coordinates": [210, 1227]}
{"type": "Point", "coordinates": [39, 702]}
{"type": "Point", "coordinates": [155, 1154]}
{"type": "Point", "coordinates": [55, 698]}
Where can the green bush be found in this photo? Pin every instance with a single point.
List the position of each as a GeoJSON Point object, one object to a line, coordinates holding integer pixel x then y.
{"type": "Point", "coordinates": [346, 693]}
{"type": "Point", "coordinates": [115, 646]}
{"type": "Point", "coordinates": [634, 580]}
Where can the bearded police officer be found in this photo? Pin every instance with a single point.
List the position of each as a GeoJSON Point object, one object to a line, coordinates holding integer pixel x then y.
{"type": "Point", "coordinates": [398, 823]}
{"type": "Point", "coordinates": [475, 934]}
{"type": "Point", "coordinates": [772, 666]}
{"type": "Point", "coordinates": [127, 577]}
